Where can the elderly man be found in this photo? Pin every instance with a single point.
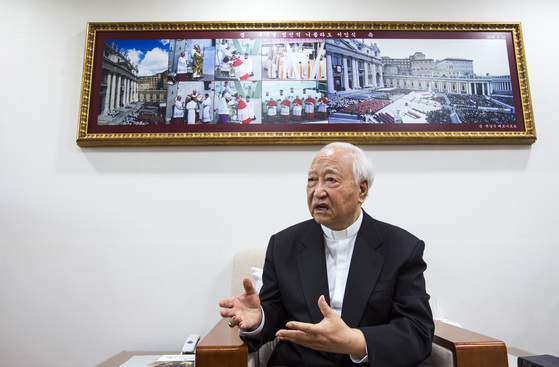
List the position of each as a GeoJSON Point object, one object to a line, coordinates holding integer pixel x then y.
{"type": "Point", "coordinates": [342, 288]}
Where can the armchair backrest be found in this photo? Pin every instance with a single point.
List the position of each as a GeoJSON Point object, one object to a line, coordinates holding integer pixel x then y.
{"type": "Point", "coordinates": [243, 261]}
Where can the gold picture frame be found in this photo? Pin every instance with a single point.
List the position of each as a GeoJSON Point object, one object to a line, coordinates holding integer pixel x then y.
{"type": "Point", "coordinates": [190, 83]}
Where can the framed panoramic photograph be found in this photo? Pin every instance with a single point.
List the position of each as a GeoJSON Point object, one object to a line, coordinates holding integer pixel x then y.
{"type": "Point", "coordinates": [220, 83]}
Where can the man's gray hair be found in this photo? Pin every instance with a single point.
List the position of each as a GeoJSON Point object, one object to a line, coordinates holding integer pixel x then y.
{"type": "Point", "coordinates": [363, 168]}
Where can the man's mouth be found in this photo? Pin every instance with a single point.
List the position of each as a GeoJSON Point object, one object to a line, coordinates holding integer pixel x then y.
{"type": "Point", "coordinates": [321, 207]}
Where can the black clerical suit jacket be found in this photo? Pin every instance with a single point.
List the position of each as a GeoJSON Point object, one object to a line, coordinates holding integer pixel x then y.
{"type": "Point", "coordinates": [385, 294]}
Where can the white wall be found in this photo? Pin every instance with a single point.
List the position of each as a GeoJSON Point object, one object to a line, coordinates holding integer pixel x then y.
{"type": "Point", "coordinates": [110, 249]}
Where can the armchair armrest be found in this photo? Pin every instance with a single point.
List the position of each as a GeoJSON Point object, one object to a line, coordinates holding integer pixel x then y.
{"type": "Point", "coordinates": [469, 348]}
{"type": "Point", "coordinates": [223, 347]}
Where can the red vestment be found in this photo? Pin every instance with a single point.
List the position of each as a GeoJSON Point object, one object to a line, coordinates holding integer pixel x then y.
{"type": "Point", "coordinates": [242, 112]}
{"type": "Point", "coordinates": [284, 110]}
{"type": "Point", "coordinates": [309, 108]}
{"type": "Point", "coordinates": [323, 108]}
{"type": "Point", "coordinates": [240, 71]}
{"type": "Point", "coordinates": [297, 108]}
{"type": "Point", "coordinates": [272, 110]}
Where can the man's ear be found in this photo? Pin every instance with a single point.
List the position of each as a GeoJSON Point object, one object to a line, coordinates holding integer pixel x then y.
{"type": "Point", "coordinates": [363, 191]}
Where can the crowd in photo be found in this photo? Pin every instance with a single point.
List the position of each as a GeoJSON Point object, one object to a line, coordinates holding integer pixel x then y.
{"type": "Point", "coordinates": [441, 116]}
{"type": "Point", "coordinates": [338, 103]}
{"type": "Point", "coordinates": [143, 119]}
{"type": "Point", "coordinates": [294, 60]}
{"type": "Point", "coordinates": [441, 99]}
{"type": "Point", "coordinates": [470, 101]}
{"type": "Point", "coordinates": [355, 105]}
{"type": "Point", "coordinates": [369, 106]}
{"type": "Point", "coordinates": [471, 116]}
{"type": "Point", "coordinates": [508, 100]}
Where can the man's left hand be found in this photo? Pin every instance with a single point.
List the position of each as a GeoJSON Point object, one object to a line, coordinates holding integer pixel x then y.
{"type": "Point", "coordinates": [330, 335]}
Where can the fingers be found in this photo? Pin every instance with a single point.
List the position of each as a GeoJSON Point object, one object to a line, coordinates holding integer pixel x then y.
{"type": "Point", "coordinates": [244, 310]}
{"type": "Point", "coordinates": [311, 328]}
{"type": "Point", "coordinates": [227, 312]}
{"type": "Point", "coordinates": [228, 302]}
{"type": "Point", "coordinates": [232, 313]}
{"type": "Point", "coordinates": [243, 325]}
{"type": "Point", "coordinates": [299, 326]}
{"type": "Point", "coordinates": [249, 288]}
{"type": "Point", "coordinates": [227, 307]}
{"type": "Point", "coordinates": [233, 322]}
{"type": "Point", "coordinates": [302, 334]}
{"type": "Point", "coordinates": [289, 335]}
{"type": "Point", "coordinates": [324, 308]}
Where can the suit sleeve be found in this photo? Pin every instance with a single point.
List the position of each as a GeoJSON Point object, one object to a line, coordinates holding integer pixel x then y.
{"type": "Point", "coordinates": [406, 340]}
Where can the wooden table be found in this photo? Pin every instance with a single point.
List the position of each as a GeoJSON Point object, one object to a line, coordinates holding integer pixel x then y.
{"type": "Point", "coordinates": [124, 356]}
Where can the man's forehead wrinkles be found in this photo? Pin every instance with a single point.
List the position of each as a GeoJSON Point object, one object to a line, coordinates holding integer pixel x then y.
{"type": "Point", "coordinates": [324, 171]}
{"type": "Point", "coordinates": [331, 169]}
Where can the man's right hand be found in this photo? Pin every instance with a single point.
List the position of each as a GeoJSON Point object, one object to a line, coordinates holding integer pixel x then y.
{"type": "Point", "coordinates": [244, 310]}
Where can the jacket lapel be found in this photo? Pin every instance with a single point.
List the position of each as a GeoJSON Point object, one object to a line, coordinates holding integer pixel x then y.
{"type": "Point", "coordinates": [364, 271]}
{"type": "Point", "coordinates": [311, 262]}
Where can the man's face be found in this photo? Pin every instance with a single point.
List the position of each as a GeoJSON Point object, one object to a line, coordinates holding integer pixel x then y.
{"type": "Point", "coordinates": [333, 196]}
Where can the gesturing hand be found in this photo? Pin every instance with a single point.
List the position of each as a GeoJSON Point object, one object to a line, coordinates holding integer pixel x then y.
{"type": "Point", "coordinates": [244, 310]}
{"type": "Point", "coordinates": [330, 335]}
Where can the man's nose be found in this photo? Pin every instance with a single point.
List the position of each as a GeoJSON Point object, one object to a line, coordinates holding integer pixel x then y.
{"type": "Point", "coordinates": [320, 189]}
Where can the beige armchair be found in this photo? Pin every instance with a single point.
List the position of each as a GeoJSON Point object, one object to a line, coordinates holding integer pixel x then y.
{"type": "Point", "coordinates": [452, 346]}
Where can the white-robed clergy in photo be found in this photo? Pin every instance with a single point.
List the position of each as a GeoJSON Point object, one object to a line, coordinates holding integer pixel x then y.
{"type": "Point", "coordinates": [191, 114]}
{"type": "Point", "coordinates": [250, 108]}
{"type": "Point", "coordinates": [248, 65]}
{"type": "Point", "coordinates": [206, 110]}
{"type": "Point", "coordinates": [182, 64]}
{"type": "Point", "coordinates": [178, 110]}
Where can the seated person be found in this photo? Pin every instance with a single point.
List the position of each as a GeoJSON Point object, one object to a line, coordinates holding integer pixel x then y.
{"type": "Point", "coordinates": [341, 288]}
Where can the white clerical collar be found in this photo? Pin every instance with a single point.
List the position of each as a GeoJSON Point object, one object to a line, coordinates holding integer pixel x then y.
{"type": "Point", "coordinates": [344, 233]}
